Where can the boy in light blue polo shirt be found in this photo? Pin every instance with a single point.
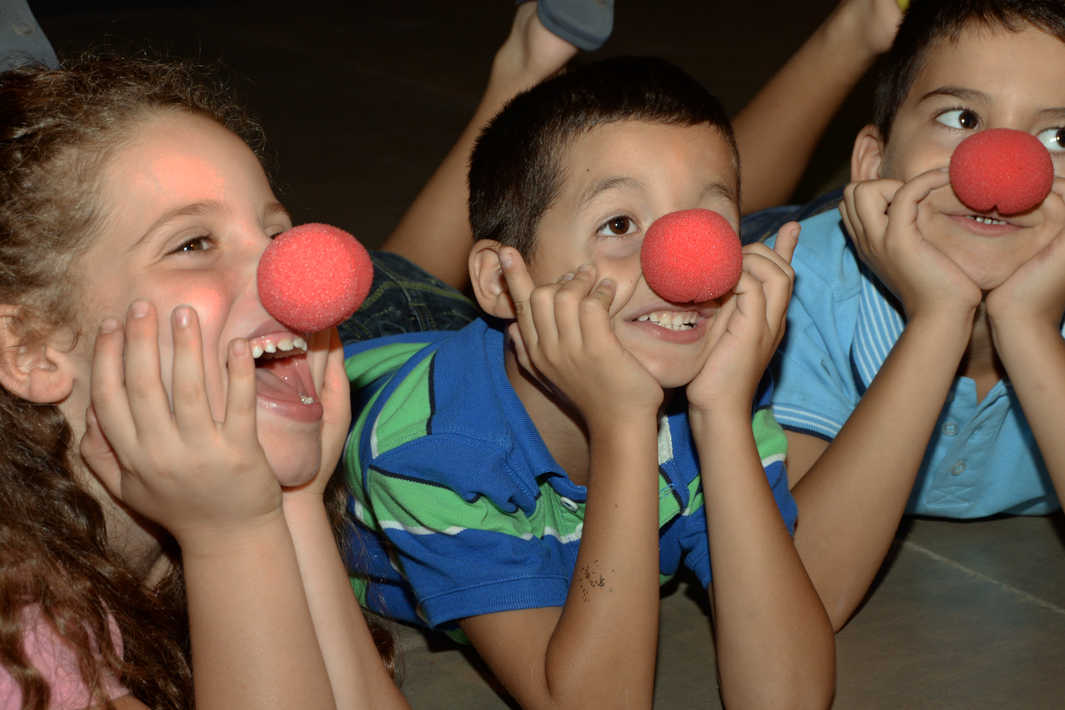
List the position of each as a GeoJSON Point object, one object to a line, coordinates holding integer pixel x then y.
{"type": "Point", "coordinates": [924, 367]}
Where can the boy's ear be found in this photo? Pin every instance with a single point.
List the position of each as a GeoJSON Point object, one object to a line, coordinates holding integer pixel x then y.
{"type": "Point", "coordinates": [867, 155]}
{"type": "Point", "coordinates": [33, 370]}
{"type": "Point", "coordinates": [486, 279]}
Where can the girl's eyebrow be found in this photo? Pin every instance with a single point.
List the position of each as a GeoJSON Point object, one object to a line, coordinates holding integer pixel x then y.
{"type": "Point", "coordinates": [194, 209]}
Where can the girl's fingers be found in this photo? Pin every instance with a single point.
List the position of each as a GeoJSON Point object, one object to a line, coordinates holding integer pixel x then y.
{"type": "Point", "coordinates": [240, 396]}
{"type": "Point", "coordinates": [191, 410]}
{"type": "Point", "coordinates": [100, 457]}
{"type": "Point", "coordinates": [108, 389]}
{"type": "Point", "coordinates": [148, 402]}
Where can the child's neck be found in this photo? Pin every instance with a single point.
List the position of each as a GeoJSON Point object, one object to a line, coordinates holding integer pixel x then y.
{"type": "Point", "coordinates": [560, 426]}
{"type": "Point", "coordinates": [981, 363]}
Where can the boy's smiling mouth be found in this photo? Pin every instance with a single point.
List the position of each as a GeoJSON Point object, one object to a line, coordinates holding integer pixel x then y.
{"type": "Point", "coordinates": [672, 320]}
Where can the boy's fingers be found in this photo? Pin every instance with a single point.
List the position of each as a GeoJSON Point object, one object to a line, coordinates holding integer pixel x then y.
{"type": "Point", "coordinates": [906, 200]}
{"type": "Point", "coordinates": [595, 310]}
{"type": "Point", "coordinates": [787, 240]}
{"type": "Point", "coordinates": [568, 305]}
{"type": "Point", "coordinates": [519, 283]}
{"type": "Point", "coordinates": [191, 411]}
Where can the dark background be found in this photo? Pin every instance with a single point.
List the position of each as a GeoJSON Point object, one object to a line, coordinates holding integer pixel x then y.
{"type": "Point", "coordinates": [361, 100]}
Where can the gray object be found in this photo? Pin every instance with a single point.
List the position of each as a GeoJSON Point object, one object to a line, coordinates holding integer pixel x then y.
{"type": "Point", "coordinates": [22, 41]}
{"type": "Point", "coordinates": [584, 23]}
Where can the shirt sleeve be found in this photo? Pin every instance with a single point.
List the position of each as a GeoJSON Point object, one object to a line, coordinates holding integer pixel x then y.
{"type": "Point", "coordinates": [815, 388]}
{"type": "Point", "coordinates": [57, 661]}
{"type": "Point", "coordinates": [464, 550]}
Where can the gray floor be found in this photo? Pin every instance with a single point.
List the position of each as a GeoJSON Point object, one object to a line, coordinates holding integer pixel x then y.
{"type": "Point", "coordinates": [361, 100]}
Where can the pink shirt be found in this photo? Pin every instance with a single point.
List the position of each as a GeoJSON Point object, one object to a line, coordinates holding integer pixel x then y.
{"type": "Point", "coordinates": [57, 662]}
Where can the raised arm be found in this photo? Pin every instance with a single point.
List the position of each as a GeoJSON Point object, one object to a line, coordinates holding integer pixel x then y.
{"type": "Point", "coordinates": [599, 649]}
{"type": "Point", "coordinates": [779, 128]}
{"type": "Point", "coordinates": [210, 485]}
{"type": "Point", "coordinates": [434, 232]}
{"type": "Point", "coordinates": [852, 498]}
{"type": "Point", "coordinates": [775, 646]}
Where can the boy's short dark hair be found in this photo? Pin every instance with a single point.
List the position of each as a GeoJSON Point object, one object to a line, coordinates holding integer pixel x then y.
{"type": "Point", "coordinates": [930, 21]}
{"type": "Point", "coordinates": [515, 170]}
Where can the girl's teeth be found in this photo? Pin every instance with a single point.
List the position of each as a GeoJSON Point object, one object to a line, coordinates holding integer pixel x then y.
{"type": "Point", "coordinates": [988, 220]}
{"type": "Point", "coordinates": [671, 320]}
{"type": "Point", "coordinates": [306, 399]}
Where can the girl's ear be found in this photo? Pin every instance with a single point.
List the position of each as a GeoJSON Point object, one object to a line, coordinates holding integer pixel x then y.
{"type": "Point", "coordinates": [867, 155]}
{"type": "Point", "coordinates": [486, 279]}
{"type": "Point", "coordinates": [33, 370]}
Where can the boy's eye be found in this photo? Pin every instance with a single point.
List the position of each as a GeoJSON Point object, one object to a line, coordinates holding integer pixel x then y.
{"type": "Point", "coordinates": [1053, 139]}
{"type": "Point", "coordinates": [961, 118]}
{"type": "Point", "coordinates": [616, 227]}
{"type": "Point", "coordinates": [194, 244]}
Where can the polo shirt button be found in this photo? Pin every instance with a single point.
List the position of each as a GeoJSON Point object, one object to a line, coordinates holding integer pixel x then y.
{"type": "Point", "coordinates": [568, 504]}
{"type": "Point", "coordinates": [950, 428]}
{"type": "Point", "coordinates": [958, 468]}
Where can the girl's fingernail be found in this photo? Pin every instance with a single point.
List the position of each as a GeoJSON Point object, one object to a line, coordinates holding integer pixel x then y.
{"type": "Point", "coordinates": [138, 309]}
{"type": "Point", "coordinates": [182, 316]}
{"type": "Point", "coordinates": [109, 325]}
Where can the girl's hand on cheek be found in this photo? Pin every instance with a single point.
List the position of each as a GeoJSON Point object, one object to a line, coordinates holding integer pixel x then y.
{"type": "Point", "coordinates": [564, 338]}
{"type": "Point", "coordinates": [882, 218]}
{"type": "Point", "coordinates": [1034, 295]}
{"type": "Point", "coordinates": [326, 354]}
{"type": "Point", "coordinates": [748, 328]}
{"type": "Point", "coordinates": [176, 465]}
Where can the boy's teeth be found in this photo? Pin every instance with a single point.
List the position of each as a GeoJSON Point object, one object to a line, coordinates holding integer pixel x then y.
{"type": "Point", "coordinates": [306, 399]}
{"type": "Point", "coordinates": [299, 342]}
{"type": "Point", "coordinates": [673, 320]}
{"type": "Point", "coordinates": [270, 347]}
{"type": "Point", "coordinates": [988, 220]}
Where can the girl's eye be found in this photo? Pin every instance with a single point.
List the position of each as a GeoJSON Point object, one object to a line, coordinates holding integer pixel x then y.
{"type": "Point", "coordinates": [194, 244]}
{"type": "Point", "coordinates": [616, 227]}
{"type": "Point", "coordinates": [1053, 139]}
{"type": "Point", "coordinates": [961, 118]}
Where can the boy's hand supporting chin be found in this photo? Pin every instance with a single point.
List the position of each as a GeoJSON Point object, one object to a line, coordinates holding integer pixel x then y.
{"type": "Point", "coordinates": [1032, 299]}
{"type": "Point", "coordinates": [564, 338]}
{"type": "Point", "coordinates": [748, 327]}
{"type": "Point", "coordinates": [881, 217]}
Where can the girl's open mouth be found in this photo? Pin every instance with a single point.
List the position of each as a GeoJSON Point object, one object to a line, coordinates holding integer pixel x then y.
{"type": "Point", "coordinates": [283, 380]}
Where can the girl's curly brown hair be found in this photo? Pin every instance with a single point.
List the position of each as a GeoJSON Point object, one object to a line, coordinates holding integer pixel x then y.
{"type": "Point", "coordinates": [57, 129]}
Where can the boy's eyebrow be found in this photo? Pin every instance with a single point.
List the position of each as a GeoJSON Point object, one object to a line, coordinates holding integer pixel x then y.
{"type": "Point", "coordinates": [603, 185]}
{"type": "Point", "coordinates": [957, 92]}
{"type": "Point", "coordinates": [610, 183]}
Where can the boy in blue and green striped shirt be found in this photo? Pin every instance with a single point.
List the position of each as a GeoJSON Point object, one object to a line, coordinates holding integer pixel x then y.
{"type": "Point", "coordinates": [531, 479]}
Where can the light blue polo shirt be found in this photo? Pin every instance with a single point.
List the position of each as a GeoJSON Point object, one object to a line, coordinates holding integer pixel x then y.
{"type": "Point", "coordinates": [842, 323]}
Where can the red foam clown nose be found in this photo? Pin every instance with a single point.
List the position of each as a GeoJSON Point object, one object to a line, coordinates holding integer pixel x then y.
{"type": "Point", "coordinates": [314, 276]}
{"type": "Point", "coordinates": [691, 256]}
{"type": "Point", "coordinates": [1001, 169]}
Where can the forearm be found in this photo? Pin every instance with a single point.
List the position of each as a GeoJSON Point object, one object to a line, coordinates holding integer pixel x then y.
{"type": "Point", "coordinates": [606, 638]}
{"type": "Point", "coordinates": [852, 499]}
{"type": "Point", "coordinates": [775, 646]}
{"type": "Point", "coordinates": [599, 649]}
{"type": "Point", "coordinates": [778, 130]}
{"type": "Point", "coordinates": [357, 675]}
{"type": "Point", "coordinates": [1034, 359]}
{"type": "Point", "coordinates": [253, 643]}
